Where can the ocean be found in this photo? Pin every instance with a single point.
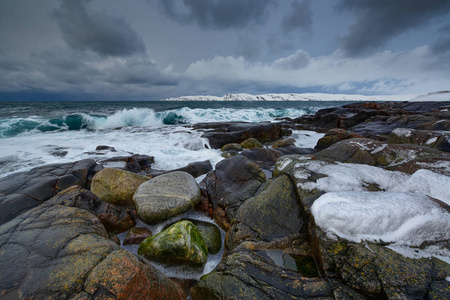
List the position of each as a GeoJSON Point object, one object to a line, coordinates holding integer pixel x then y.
{"type": "Point", "coordinates": [38, 133]}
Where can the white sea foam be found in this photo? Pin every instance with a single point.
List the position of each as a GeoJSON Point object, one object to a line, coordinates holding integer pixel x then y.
{"type": "Point", "coordinates": [200, 115]}
{"type": "Point", "coordinates": [124, 118]}
{"type": "Point", "coordinates": [172, 146]}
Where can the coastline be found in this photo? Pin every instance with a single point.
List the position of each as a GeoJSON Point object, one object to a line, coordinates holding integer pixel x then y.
{"type": "Point", "coordinates": [275, 202]}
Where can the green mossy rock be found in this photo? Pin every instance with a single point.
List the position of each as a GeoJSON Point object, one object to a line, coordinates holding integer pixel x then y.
{"type": "Point", "coordinates": [181, 243]}
{"type": "Point", "coordinates": [251, 143]}
{"type": "Point", "coordinates": [283, 143]}
{"type": "Point", "coordinates": [116, 186]}
{"type": "Point", "coordinates": [231, 146]}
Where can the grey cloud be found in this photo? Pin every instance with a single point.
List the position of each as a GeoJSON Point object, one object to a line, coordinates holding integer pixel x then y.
{"type": "Point", "coordinates": [296, 61]}
{"type": "Point", "coordinates": [218, 14]}
{"type": "Point", "coordinates": [142, 72]}
{"type": "Point", "coordinates": [98, 31]}
{"type": "Point", "coordinates": [65, 70]}
{"type": "Point", "coordinates": [442, 45]}
{"type": "Point", "coordinates": [378, 21]}
{"type": "Point", "coordinates": [299, 17]}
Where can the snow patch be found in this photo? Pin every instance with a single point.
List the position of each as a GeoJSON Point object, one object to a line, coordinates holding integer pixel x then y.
{"type": "Point", "coordinates": [401, 218]}
{"type": "Point", "coordinates": [402, 132]}
{"type": "Point", "coordinates": [379, 149]}
{"type": "Point", "coordinates": [306, 138]}
{"type": "Point", "coordinates": [356, 177]}
{"type": "Point", "coordinates": [431, 141]}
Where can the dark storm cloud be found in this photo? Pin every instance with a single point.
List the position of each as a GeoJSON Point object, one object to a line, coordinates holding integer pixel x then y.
{"type": "Point", "coordinates": [442, 45]}
{"type": "Point", "coordinates": [96, 30]}
{"type": "Point", "coordinates": [378, 21]}
{"type": "Point", "coordinates": [299, 17]}
{"type": "Point", "coordinates": [218, 14]}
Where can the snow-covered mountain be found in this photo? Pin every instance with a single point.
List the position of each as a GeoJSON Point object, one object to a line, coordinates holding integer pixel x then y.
{"type": "Point", "coordinates": [296, 97]}
{"type": "Point", "coordinates": [436, 96]}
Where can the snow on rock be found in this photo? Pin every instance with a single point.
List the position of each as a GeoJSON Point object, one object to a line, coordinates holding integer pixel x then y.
{"type": "Point", "coordinates": [294, 97]}
{"type": "Point", "coordinates": [306, 138]}
{"type": "Point", "coordinates": [405, 132]}
{"type": "Point", "coordinates": [402, 218]}
{"type": "Point", "coordinates": [356, 177]}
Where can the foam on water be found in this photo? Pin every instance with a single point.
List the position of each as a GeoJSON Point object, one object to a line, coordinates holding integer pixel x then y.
{"type": "Point", "coordinates": [188, 115]}
{"type": "Point", "coordinates": [173, 147]}
{"type": "Point", "coordinates": [29, 141]}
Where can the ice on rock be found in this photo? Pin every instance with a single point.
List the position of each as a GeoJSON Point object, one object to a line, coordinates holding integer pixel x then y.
{"type": "Point", "coordinates": [401, 218]}
{"type": "Point", "coordinates": [405, 132]}
{"type": "Point", "coordinates": [431, 141]}
{"type": "Point", "coordinates": [356, 177]}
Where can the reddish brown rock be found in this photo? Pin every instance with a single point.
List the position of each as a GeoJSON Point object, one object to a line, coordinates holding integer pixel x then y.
{"type": "Point", "coordinates": [136, 235]}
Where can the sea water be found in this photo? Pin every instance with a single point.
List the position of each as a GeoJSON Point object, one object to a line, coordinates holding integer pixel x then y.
{"type": "Point", "coordinates": [38, 133]}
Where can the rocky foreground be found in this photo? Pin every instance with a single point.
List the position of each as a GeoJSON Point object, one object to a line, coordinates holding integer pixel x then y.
{"type": "Point", "coordinates": [364, 215]}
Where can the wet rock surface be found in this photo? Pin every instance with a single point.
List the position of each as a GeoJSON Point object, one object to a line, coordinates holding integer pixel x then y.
{"type": "Point", "coordinates": [116, 186]}
{"type": "Point", "coordinates": [136, 235]}
{"type": "Point", "coordinates": [220, 134]}
{"type": "Point", "coordinates": [232, 182]}
{"type": "Point", "coordinates": [166, 196]}
{"type": "Point", "coordinates": [277, 222]}
{"type": "Point", "coordinates": [22, 191]}
{"type": "Point", "coordinates": [181, 243]}
{"type": "Point", "coordinates": [64, 252]}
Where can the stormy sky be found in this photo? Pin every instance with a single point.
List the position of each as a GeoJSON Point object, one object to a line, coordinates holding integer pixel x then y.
{"type": "Point", "coordinates": [153, 49]}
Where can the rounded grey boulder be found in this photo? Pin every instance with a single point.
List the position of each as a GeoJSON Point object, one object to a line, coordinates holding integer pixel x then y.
{"type": "Point", "coordinates": [166, 196]}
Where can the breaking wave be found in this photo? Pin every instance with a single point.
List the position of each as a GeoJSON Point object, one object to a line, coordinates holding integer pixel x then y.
{"type": "Point", "coordinates": [139, 117]}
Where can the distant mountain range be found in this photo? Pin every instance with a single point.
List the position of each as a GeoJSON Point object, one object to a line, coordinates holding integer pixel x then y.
{"type": "Point", "coordinates": [436, 96]}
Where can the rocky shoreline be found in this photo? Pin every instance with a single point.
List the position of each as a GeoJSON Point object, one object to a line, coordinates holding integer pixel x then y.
{"type": "Point", "coordinates": [364, 215]}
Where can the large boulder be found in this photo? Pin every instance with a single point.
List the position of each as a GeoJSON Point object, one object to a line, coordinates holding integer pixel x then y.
{"type": "Point", "coordinates": [135, 163]}
{"type": "Point", "coordinates": [360, 218]}
{"type": "Point", "coordinates": [220, 134]}
{"type": "Point", "coordinates": [333, 136]}
{"type": "Point", "coordinates": [251, 143]}
{"type": "Point", "coordinates": [116, 219]}
{"type": "Point", "coordinates": [181, 243]}
{"type": "Point", "coordinates": [272, 214]}
{"type": "Point", "coordinates": [231, 147]}
{"type": "Point", "coordinates": [376, 153]}
{"type": "Point", "coordinates": [23, 191]}
{"type": "Point", "coordinates": [122, 275]}
{"type": "Point", "coordinates": [232, 182]}
{"type": "Point", "coordinates": [210, 234]}
{"type": "Point", "coordinates": [61, 250]}
{"type": "Point", "coordinates": [259, 275]}
{"type": "Point", "coordinates": [283, 143]}
{"type": "Point", "coordinates": [116, 186]}
{"type": "Point", "coordinates": [166, 196]}
{"type": "Point", "coordinates": [436, 139]}
{"type": "Point", "coordinates": [197, 169]}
